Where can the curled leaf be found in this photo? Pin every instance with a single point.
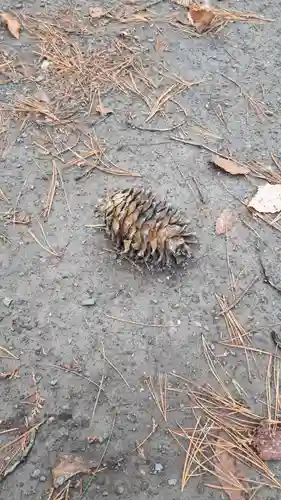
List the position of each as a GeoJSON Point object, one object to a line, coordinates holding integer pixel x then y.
{"type": "Point", "coordinates": [230, 166]}
{"type": "Point", "coordinates": [267, 199]}
{"type": "Point", "coordinates": [70, 466]}
{"type": "Point", "coordinates": [12, 24]}
{"type": "Point", "coordinates": [97, 12]}
{"type": "Point", "coordinates": [224, 221]}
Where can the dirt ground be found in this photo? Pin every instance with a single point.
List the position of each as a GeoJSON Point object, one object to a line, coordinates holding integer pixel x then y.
{"type": "Point", "coordinates": [58, 312]}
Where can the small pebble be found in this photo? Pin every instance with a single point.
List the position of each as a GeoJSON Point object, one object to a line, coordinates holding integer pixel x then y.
{"type": "Point", "coordinates": [42, 479]}
{"type": "Point", "coordinates": [105, 494]}
{"type": "Point", "coordinates": [7, 301]}
{"type": "Point", "coordinates": [158, 468]}
{"type": "Point", "coordinates": [89, 302]}
{"type": "Point", "coordinates": [172, 482]}
{"type": "Point", "coordinates": [119, 490]}
{"type": "Point", "coordinates": [35, 474]}
{"type": "Point", "coordinates": [54, 382]}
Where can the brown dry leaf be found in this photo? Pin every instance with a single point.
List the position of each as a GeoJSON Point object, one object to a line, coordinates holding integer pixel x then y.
{"type": "Point", "coordinates": [11, 23]}
{"type": "Point", "coordinates": [224, 221]}
{"type": "Point", "coordinates": [102, 110]}
{"type": "Point", "coordinates": [229, 166]}
{"type": "Point", "coordinates": [267, 199]}
{"type": "Point", "coordinates": [227, 469]}
{"type": "Point", "coordinates": [200, 17]}
{"type": "Point", "coordinates": [70, 466]}
{"type": "Point", "coordinates": [267, 443]}
{"type": "Point", "coordinates": [97, 12]}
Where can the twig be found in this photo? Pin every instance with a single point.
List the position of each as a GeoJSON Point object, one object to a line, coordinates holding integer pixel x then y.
{"type": "Point", "coordinates": [147, 325]}
{"type": "Point", "coordinates": [102, 457]}
{"type": "Point", "coordinates": [97, 399]}
{"type": "Point", "coordinates": [114, 367]}
{"type": "Point", "coordinates": [146, 129]}
{"type": "Point", "coordinates": [67, 370]}
{"type": "Point", "coordinates": [237, 300]}
{"type": "Point", "coordinates": [154, 428]}
{"type": "Point", "coordinates": [196, 144]}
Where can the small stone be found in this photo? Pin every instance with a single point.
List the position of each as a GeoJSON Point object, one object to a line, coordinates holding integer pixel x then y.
{"type": "Point", "coordinates": [89, 302]}
{"type": "Point", "coordinates": [172, 482]}
{"type": "Point", "coordinates": [105, 494]}
{"type": "Point", "coordinates": [42, 479]}
{"type": "Point", "coordinates": [7, 301]}
{"type": "Point", "coordinates": [119, 490]}
{"type": "Point", "coordinates": [35, 474]}
{"type": "Point", "coordinates": [158, 468]}
{"type": "Point", "coordinates": [53, 382]}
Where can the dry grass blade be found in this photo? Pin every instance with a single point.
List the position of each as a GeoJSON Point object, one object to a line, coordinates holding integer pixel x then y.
{"type": "Point", "coordinates": [260, 108]}
{"type": "Point", "coordinates": [114, 367]}
{"type": "Point", "coordinates": [264, 172]}
{"type": "Point", "coordinates": [160, 396]}
{"type": "Point", "coordinates": [14, 452]}
{"type": "Point", "coordinates": [32, 108]}
{"type": "Point", "coordinates": [169, 94]}
{"type": "Point", "coordinates": [237, 333]}
{"type": "Point", "coordinates": [3, 197]}
{"type": "Point", "coordinates": [51, 193]}
{"type": "Point", "coordinates": [45, 244]}
{"type": "Point", "coordinates": [8, 354]}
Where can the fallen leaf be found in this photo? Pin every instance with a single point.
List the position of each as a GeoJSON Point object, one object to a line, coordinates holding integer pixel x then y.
{"type": "Point", "coordinates": [226, 468]}
{"type": "Point", "coordinates": [267, 443]}
{"type": "Point", "coordinates": [97, 12]}
{"type": "Point", "coordinates": [224, 221]}
{"type": "Point", "coordinates": [267, 199]}
{"type": "Point", "coordinates": [229, 166]}
{"type": "Point", "coordinates": [12, 24]}
{"type": "Point", "coordinates": [102, 110]}
{"type": "Point", "coordinates": [70, 466]}
{"type": "Point", "coordinates": [200, 17]}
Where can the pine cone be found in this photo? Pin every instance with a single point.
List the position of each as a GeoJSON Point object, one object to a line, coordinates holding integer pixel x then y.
{"type": "Point", "coordinates": [144, 228]}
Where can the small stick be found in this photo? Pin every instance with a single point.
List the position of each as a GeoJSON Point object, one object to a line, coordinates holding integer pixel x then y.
{"type": "Point", "coordinates": [7, 352]}
{"type": "Point", "coordinates": [67, 370]}
{"type": "Point", "coordinates": [197, 145]}
{"type": "Point", "coordinates": [114, 367]}
{"type": "Point", "coordinates": [154, 428]}
{"type": "Point", "coordinates": [237, 300]}
{"type": "Point", "coordinates": [63, 188]}
{"type": "Point", "coordinates": [155, 325]}
{"type": "Point", "coordinates": [97, 400]}
{"type": "Point", "coordinates": [146, 129]}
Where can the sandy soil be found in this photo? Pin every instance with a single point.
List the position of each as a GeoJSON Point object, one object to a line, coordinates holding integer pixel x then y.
{"type": "Point", "coordinates": [44, 316]}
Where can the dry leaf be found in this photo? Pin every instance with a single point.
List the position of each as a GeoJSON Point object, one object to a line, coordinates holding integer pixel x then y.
{"type": "Point", "coordinates": [102, 110]}
{"type": "Point", "coordinates": [97, 12]}
{"type": "Point", "coordinates": [267, 443]}
{"type": "Point", "coordinates": [70, 466]}
{"type": "Point", "coordinates": [200, 17]}
{"type": "Point", "coordinates": [224, 221]}
{"type": "Point", "coordinates": [229, 166]}
{"type": "Point", "coordinates": [267, 199]}
{"type": "Point", "coordinates": [226, 469]}
{"type": "Point", "coordinates": [12, 24]}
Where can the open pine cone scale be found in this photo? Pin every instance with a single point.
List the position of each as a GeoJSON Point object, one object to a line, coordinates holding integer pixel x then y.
{"type": "Point", "coordinates": [144, 228]}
